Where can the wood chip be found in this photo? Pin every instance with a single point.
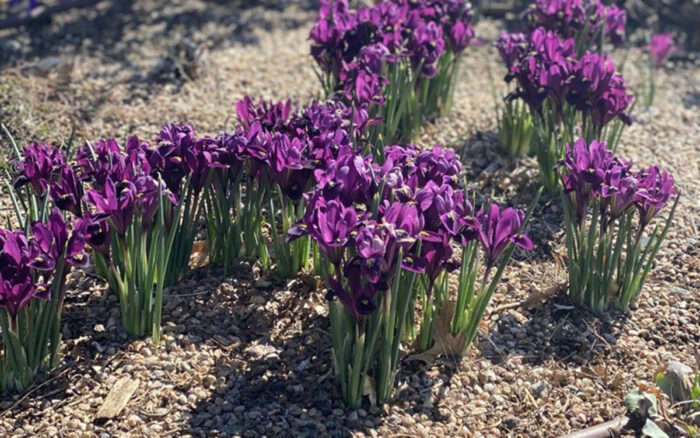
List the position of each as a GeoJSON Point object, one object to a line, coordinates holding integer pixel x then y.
{"type": "Point", "coordinates": [117, 398]}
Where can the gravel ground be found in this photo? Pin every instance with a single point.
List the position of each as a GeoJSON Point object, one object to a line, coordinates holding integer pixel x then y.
{"type": "Point", "coordinates": [246, 355]}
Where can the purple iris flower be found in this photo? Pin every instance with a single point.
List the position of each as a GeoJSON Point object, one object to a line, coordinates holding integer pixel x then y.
{"type": "Point", "coordinates": [17, 285]}
{"type": "Point", "coordinates": [336, 224]}
{"type": "Point", "coordinates": [619, 190]}
{"type": "Point", "coordinates": [95, 232]}
{"type": "Point", "coordinates": [440, 165]}
{"type": "Point", "coordinates": [361, 86]}
{"type": "Point", "coordinates": [435, 201]}
{"type": "Point", "coordinates": [437, 257]}
{"type": "Point", "coordinates": [400, 157]}
{"type": "Point", "coordinates": [405, 222]}
{"type": "Point", "coordinates": [175, 155]}
{"type": "Point", "coordinates": [351, 178]}
{"type": "Point", "coordinates": [615, 22]}
{"type": "Point", "coordinates": [101, 161]}
{"type": "Point", "coordinates": [597, 91]}
{"type": "Point", "coordinates": [512, 47]}
{"type": "Point", "coordinates": [41, 164]}
{"type": "Point", "coordinates": [461, 222]}
{"type": "Point", "coordinates": [660, 46]}
{"type": "Point", "coordinates": [67, 192]}
{"type": "Point", "coordinates": [52, 240]}
{"type": "Point", "coordinates": [330, 126]}
{"type": "Point", "coordinates": [116, 202]}
{"type": "Point", "coordinates": [272, 116]}
{"type": "Point", "coordinates": [242, 145]}
{"type": "Point", "coordinates": [374, 248]}
{"type": "Point", "coordinates": [147, 191]}
{"type": "Point", "coordinates": [205, 154]}
{"type": "Point", "coordinates": [136, 157]}
{"type": "Point", "coordinates": [425, 45]}
{"type": "Point", "coordinates": [585, 168]}
{"type": "Point", "coordinates": [371, 58]}
{"type": "Point", "coordinates": [499, 229]}
{"type": "Point", "coordinates": [289, 167]}
{"type": "Point", "coordinates": [359, 299]}
{"type": "Point", "coordinates": [17, 291]}
{"type": "Point", "coordinates": [655, 190]}
{"type": "Point", "coordinates": [330, 223]}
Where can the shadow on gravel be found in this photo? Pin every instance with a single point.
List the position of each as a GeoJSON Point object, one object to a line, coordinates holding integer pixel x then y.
{"type": "Point", "coordinates": [277, 379]}
{"type": "Point", "coordinates": [86, 345]}
{"type": "Point", "coordinates": [512, 181]}
{"type": "Point", "coordinates": [111, 34]}
{"type": "Point", "coordinates": [276, 371]}
{"type": "Point", "coordinates": [691, 100]}
{"type": "Point", "coordinates": [554, 331]}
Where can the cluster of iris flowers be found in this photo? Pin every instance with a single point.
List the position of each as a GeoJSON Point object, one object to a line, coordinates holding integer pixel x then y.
{"type": "Point", "coordinates": [266, 165]}
{"type": "Point", "coordinates": [589, 22]}
{"type": "Point", "coordinates": [118, 205]}
{"type": "Point", "coordinates": [384, 234]}
{"type": "Point", "coordinates": [567, 95]}
{"type": "Point", "coordinates": [609, 211]}
{"type": "Point", "coordinates": [33, 269]}
{"type": "Point", "coordinates": [398, 60]}
{"type": "Point", "coordinates": [387, 234]}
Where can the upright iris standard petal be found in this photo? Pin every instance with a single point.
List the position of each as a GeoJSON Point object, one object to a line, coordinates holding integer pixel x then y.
{"type": "Point", "coordinates": [498, 229]}
{"type": "Point", "coordinates": [41, 165]}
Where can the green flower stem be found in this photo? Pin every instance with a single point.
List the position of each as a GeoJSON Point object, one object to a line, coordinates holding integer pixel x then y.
{"type": "Point", "coordinates": [465, 290]}
{"type": "Point", "coordinates": [292, 257]}
{"type": "Point", "coordinates": [184, 241]}
{"type": "Point", "coordinates": [471, 305]}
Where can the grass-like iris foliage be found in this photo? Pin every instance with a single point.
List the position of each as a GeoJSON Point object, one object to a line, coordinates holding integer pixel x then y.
{"type": "Point", "coordinates": [398, 60]}
{"type": "Point", "coordinates": [515, 129]}
{"type": "Point", "coordinates": [387, 235]}
{"type": "Point", "coordinates": [609, 212]}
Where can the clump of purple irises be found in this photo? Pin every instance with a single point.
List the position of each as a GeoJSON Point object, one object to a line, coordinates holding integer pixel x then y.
{"type": "Point", "coordinates": [398, 55]}
{"type": "Point", "coordinates": [564, 78]}
{"type": "Point", "coordinates": [265, 166]}
{"type": "Point", "coordinates": [33, 270]}
{"type": "Point", "coordinates": [545, 67]}
{"type": "Point", "coordinates": [34, 264]}
{"type": "Point", "coordinates": [387, 232]}
{"type": "Point", "coordinates": [567, 95]}
{"type": "Point", "coordinates": [609, 209]}
{"type": "Point", "coordinates": [589, 22]}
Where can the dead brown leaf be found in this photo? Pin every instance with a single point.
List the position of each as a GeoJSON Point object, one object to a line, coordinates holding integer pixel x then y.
{"type": "Point", "coordinates": [444, 342]}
